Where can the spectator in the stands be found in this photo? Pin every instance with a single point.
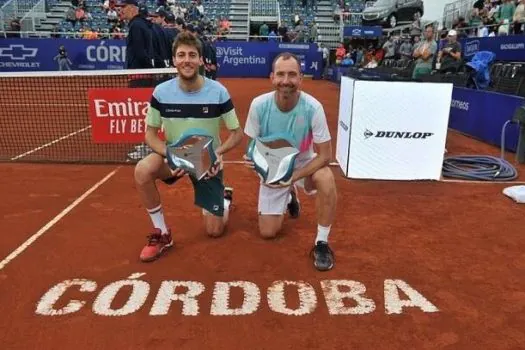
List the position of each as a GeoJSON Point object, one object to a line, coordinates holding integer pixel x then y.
{"type": "Point", "coordinates": [460, 26]}
{"type": "Point", "coordinates": [200, 8]}
{"type": "Point", "coordinates": [264, 31]}
{"type": "Point", "coordinates": [450, 56]}
{"type": "Point", "coordinates": [80, 14]}
{"type": "Point", "coordinates": [313, 31]}
{"type": "Point", "coordinates": [272, 36]}
{"type": "Point", "coordinates": [347, 61]}
{"type": "Point", "coordinates": [340, 53]}
{"type": "Point", "coordinates": [424, 53]}
{"type": "Point", "coordinates": [139, 49]}
{"type": "Point", "coordinates": [415, 28]}
{"type": "Point", "coordinates": [359, 56]}
{"type": "Point", "coordinates": [224, 26]}
{"type": "Point", "coordinates": [405, 50]}
{"type": "Point", "coordinates": [283, 32]}
{"type": "Point", "coordinates": [112, 15]}
{"type": "Point", "coordinates": [519, 18]}
{"type": "Point", "coordinates": [161, 49]}
{"type": "Point", "coordinates": [71, 16]}
{"type": "Point", "coordinates": [504, 16]}
{"type": "Point", "coordinates": [300, 32]}
{"type": "Point", "coordinates": [389, 47]}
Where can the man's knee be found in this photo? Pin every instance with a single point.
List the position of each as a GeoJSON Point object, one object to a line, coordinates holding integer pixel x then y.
{"type": "Point", "coordinates": [147, 169]}
{"type": "Point", "coordinates": [214, 225]}
{"type": "Point", "coordinates": [268, 233]}
{"type": "Point", "coordinates": [324, 181]}
{"type": "Point", "coordinates": [269, 226]}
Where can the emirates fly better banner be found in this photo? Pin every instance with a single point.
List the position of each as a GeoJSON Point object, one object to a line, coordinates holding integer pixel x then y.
{"type": "Point", "coordinates": [118, 115]}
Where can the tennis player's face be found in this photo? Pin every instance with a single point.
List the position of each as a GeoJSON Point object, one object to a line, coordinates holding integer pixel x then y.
{"type": "Point", "coordinates": [187, 61]}
{"type": "Point", "coordinates": [286, 76]}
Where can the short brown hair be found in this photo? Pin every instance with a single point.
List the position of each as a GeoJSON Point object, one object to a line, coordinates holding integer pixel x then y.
{"type": "Point", "coordinates": [189, 39]}
{"type": "Point", "coordinates": [286, 56]}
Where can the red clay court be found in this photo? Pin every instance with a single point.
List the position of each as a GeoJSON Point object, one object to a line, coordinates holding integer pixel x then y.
{"type": "Point", "coordinates": [419, 265]}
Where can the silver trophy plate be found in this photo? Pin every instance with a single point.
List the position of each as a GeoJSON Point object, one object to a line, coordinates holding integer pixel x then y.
{"type": "Point", "coordinates": [274, 160]}
{"type": "Point", "coordinates": [194, 154]}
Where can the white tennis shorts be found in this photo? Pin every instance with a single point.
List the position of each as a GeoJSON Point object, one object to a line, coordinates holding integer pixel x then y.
{"type": "Point", "coordinates": [273, 201]}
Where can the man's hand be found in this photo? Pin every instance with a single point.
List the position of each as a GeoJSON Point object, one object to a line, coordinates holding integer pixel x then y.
{"type": "Point", "coordinates": [248, 162]}
{"type": "Point", "coordinates": [281, 184]}
{"type": "Point", "coordinates": [176, 172]}
{"type": "Point", "coordinates": [216, 168]}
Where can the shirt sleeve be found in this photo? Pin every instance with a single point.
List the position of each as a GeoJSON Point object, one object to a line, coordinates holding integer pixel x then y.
{"type": "Point", "coordinates": [227, 111]}
{"type": "Point", "coordinates": [320, 127]}
{"type": "Point", "coordinates": [153, 117]}
{"type": "Point", "coordinates": [252, 123]}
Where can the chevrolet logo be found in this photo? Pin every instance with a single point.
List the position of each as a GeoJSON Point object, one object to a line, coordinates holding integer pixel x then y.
{"type": "Point", "coordinates": [17, 52]}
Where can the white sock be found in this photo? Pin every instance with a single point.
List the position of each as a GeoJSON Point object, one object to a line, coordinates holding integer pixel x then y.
{"type": "Point", "coordinates": [322, 233]}
{"type": "Point", "coordinates": [157, 218]}
{"type": "Point", "coordinates": [226, 210]}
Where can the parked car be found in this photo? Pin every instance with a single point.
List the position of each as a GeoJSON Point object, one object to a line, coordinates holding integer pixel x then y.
{"type": "Point", "coordinates": [389, 13]}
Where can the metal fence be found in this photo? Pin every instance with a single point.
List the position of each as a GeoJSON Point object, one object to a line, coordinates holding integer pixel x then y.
{"type": "Point", "coordinates": [459, 8]}
{"type": "Point", "coordinates": [32, 18]}
{"type": "Point", "coordinates": [17, 9]}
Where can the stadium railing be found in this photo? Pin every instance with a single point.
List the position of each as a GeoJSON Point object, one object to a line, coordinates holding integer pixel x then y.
{"type": "Point", "coordinates": [78, 35]}
{"type": "Point", "coordinates": [32, 18]}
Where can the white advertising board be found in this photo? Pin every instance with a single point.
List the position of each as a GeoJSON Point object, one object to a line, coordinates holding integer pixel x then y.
{"type": "Point", "coordinates": [397, 130]}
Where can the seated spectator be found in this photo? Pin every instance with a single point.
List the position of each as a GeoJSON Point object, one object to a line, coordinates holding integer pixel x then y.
{"type": "Point", "coordinates": [224, 26]}
{"type": "Point", "coordinates": [347, 61]}
{"type": "Point", "coordinates": [340, 53]}
{"type": "Point", "coordinates": [389, 48]}
{"type": "Point", "coordinates": [200, 8]}
{"type": "Point", "coordinates": [112, 16]}
{"type": "Point", "coordinates": [505, 16]}
{"type": "Point", "coordinates": [71, 16]}
{"type": "Point", "coordinates": [450, 56]}
{"type": "Point", "coordinates": [80, 14]}
{"type": "Point", "coordinates": [272, 36]}
{"type": "Point", "coordinates": [406, 50]}
{"type": "Point", "coordinates": [519, 18]}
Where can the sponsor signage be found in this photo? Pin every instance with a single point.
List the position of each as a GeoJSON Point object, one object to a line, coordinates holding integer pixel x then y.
{"type": "Point", "coordinates": [118, 115]}
{"type": "Point", "coordinates": [392, 130]}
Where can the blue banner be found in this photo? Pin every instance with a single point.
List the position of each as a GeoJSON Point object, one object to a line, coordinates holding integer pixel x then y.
{"type": "Point", "coordinates": [506, 48]}
{"type": "Point", "coordinates": [363, 32]}
{"type": "Point", "coordinates": [235, 58]}
{"type": "Point", "coordinates": [254, 59]}
{"type": "Point", "coordinates": [482, 114]}
{"type": "Point", "coordinates": [38, 54]}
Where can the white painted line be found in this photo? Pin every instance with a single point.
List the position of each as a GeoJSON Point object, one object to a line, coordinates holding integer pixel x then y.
{"type": "Point", "coordinates": [56, 219]}
{"type": "Point", "coordinates": [242, 162]}
{"type": "Point", "coordinates": [482, 182]}
{"type": "Point", "coordinates": [51, 143]}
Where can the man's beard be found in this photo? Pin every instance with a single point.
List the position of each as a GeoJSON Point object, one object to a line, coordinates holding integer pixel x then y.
{"type": "Point", "coordinates": [190, 79]}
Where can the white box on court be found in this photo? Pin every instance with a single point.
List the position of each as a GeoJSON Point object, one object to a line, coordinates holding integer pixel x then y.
{"type": "Point", "coordinates": [392, 130]}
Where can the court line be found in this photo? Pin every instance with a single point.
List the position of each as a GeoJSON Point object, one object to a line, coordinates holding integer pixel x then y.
{"type": "Point", "coordinates": [51, 143]}
{"type": "Point", "coordinates": [53, 221]}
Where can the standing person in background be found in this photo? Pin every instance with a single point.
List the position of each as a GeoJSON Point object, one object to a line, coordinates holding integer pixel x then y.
{"type": "Point", "coordinates": [210, 58]}
{"type": "Point", "coordinates": [519, 17]}
{"type": "Point", "coordinates": [424, 53]}
{"type": "Point", "coordinates": [64, 62]}
{"type": "Point", "coordinates": [170, 32]}
{"type": "Point", "coordinates": [139, 48]}
{"type": "Point", "coordinates": [161, 53]}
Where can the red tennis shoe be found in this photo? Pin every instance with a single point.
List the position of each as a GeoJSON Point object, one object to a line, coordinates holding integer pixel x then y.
{"type": "Point", "coordinates": [158, 243]}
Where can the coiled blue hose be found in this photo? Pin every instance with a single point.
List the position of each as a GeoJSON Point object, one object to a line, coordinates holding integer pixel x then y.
{"type": "Point", "coordinates": [481, 168]}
